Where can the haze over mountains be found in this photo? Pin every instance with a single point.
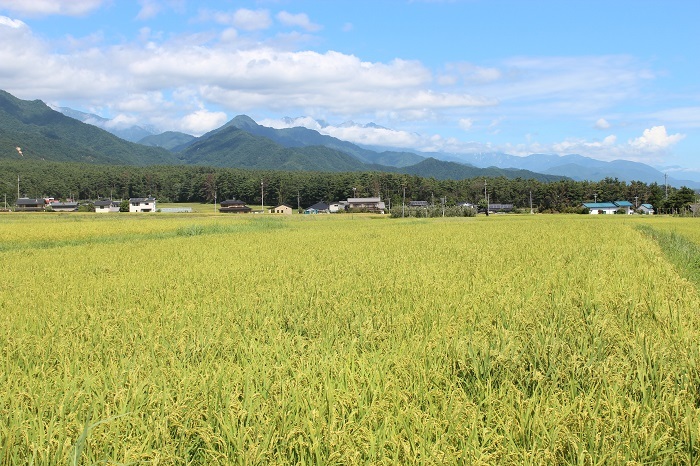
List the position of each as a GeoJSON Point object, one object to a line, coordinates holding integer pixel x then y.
{"type": "Point", "coordinates": [55, 134]}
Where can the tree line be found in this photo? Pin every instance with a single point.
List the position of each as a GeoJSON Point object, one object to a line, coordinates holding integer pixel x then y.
{"type": "Point", "coordinates": [177, 183]}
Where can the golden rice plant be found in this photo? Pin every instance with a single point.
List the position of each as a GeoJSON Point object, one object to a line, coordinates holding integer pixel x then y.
{"type": "Point", "coordinates": [346, 340]}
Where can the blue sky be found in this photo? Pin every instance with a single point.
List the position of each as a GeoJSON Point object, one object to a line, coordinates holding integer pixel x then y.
{"type": "Point", "coordinates": [605, 79]}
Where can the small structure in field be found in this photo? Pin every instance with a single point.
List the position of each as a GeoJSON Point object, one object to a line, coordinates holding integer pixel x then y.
{"type": "Point", "coordinates": [500, 207]}
{"type": "Point", "coordinates": [418, 204]}
{"type": "Point", "coordinates": [177, 210]}
{"type": "Point", "coordinates": [234, 206]}
{"type": "Point", "coordinates": [282, 209]}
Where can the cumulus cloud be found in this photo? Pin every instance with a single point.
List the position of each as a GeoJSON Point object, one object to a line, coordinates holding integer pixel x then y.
{"type": "Point", "coordinates": [297, 20]}
{"type": "Point", "coordinates": [656, 138]}
{"type": "Point", "coordinates": [369, 135]}
{"type": "Point", "coordinates": [11, 23]}
{"type": "Point", "coordinates": [466, 123]}
{"type": "Point", "coordinates": [201, 121]}
{"type": "Point", "coordinates": [602, 123]}
{"type": "Point", "coordinates": [51, 7]}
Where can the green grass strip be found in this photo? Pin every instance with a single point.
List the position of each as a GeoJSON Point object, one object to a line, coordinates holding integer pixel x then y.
{"type": "Point", "coordinates": [185, 230]}
{"type": "Point", "coordinates": [683, 253]}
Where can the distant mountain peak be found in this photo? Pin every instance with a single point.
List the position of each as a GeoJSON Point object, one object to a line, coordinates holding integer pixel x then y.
{"type": "Point", "coordinates": [126, 131]}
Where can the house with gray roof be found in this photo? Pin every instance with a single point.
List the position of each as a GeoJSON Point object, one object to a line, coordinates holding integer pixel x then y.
{"type": "Point", "coordinates": [25, 204]}
{"type": "Point", "coordinates": [142, 204]}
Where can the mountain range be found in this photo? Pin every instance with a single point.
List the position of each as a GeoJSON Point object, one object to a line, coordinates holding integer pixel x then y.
{"type": "Point", "coordinates": [43, 133]}
{"type": "Point", "coordinates": [64, 134]}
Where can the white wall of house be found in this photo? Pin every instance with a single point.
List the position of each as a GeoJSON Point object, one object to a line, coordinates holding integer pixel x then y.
{"type": "Point", "coordinates": [143, 206]}
{"type": "Point", "coordinates": [604, 210]}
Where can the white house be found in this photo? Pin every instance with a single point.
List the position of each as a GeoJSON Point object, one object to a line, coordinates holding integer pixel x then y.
{"type": "Point", "coordinates": [335, 207]}
{"type": "Point", "coordinates": [646, 209]}
{"type": "Point", "coordinates": [106, 205]}
{"type": "Point", "coordinates": [627, 206]}
{"type": "Point", "coordinates": [142, 204]}
{"type": "Point", "coordinates": [596, 208]}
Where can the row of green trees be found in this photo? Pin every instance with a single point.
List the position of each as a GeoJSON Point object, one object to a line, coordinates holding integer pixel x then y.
{"type": "Point", "coordinates": [301, 189]}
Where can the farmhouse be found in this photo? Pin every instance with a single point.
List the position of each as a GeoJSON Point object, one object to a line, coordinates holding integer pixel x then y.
{"type": "Point", "coordinates": [233, 206]}
{"type": "Point", "coordinates": [597, 208]}
{"type": "Point", "coordinates": [282, 209]}
{"type": "Point", "coordinates": [319, 208]}
{"type": "Point", "coordinates": [335, 207]}
{"type": "Point", "coordinates": [106, 205]}
{"type": "Point", "coordinates": [646, 209]}
{"type": "Point", "coordinates": [142, 204]}
{"type": "Point", "coordinates": [370, 204]}
{"type": "Point", "coordinates": [626, 206]}
{"type": "Point", "coordinates": [25, 204]}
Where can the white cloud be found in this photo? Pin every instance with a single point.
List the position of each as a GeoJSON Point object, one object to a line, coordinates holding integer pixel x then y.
{"type": "Point", "coordinates": [229, 35]}
{"type": "Point", "coordinates": [251, 20]}
{"type": "Point", "coordinates": [470, 73]}
{"type": "Point", "coordinates": [12, 23]}
{"type": "Point", "coordinates": [297, 20]}
{"type": "Point", "coordinates": [51, 7]}
{"type": "Point", "coordinates": [602, 123]}
{"type": "Point", "coordinates": [655, 139]}
{"type": "Point", "coordinates": [466, 123]}
{"type": "Point", "coordinates": [201, 121]}
{"type": "Point", "coordinates": [686, 117]}
{"type": "Point", "coordinates": [567, 85]}
{"type": "Point", "coordinates": [149, 9]}
{"type": "Point", "coordinates": [370, 135]}
{"type": "Point", "coordinates": [122, 121]}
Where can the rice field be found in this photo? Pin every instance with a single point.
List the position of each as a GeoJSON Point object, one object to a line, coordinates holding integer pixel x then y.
{"type": "Point", "coordinates": [345, 340]}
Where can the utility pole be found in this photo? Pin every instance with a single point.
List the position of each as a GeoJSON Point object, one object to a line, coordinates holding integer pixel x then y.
{"type": "Point", "coordinates": [444, 201]}
{"type": "Point", "coordinates": [486, 196]}
{"type": "Point", "coordinates": [262, 195]}
{"type": "Point", "coordinates": [298, 200]}
{"type": "Point", "coordinates": [595, 197]}
{"type": "Point", "coordinates": [531, 212]}
{"type": "Point", "coordinates": [403, 205]}
{"type": "Point", "coordinates": [635, 201]}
